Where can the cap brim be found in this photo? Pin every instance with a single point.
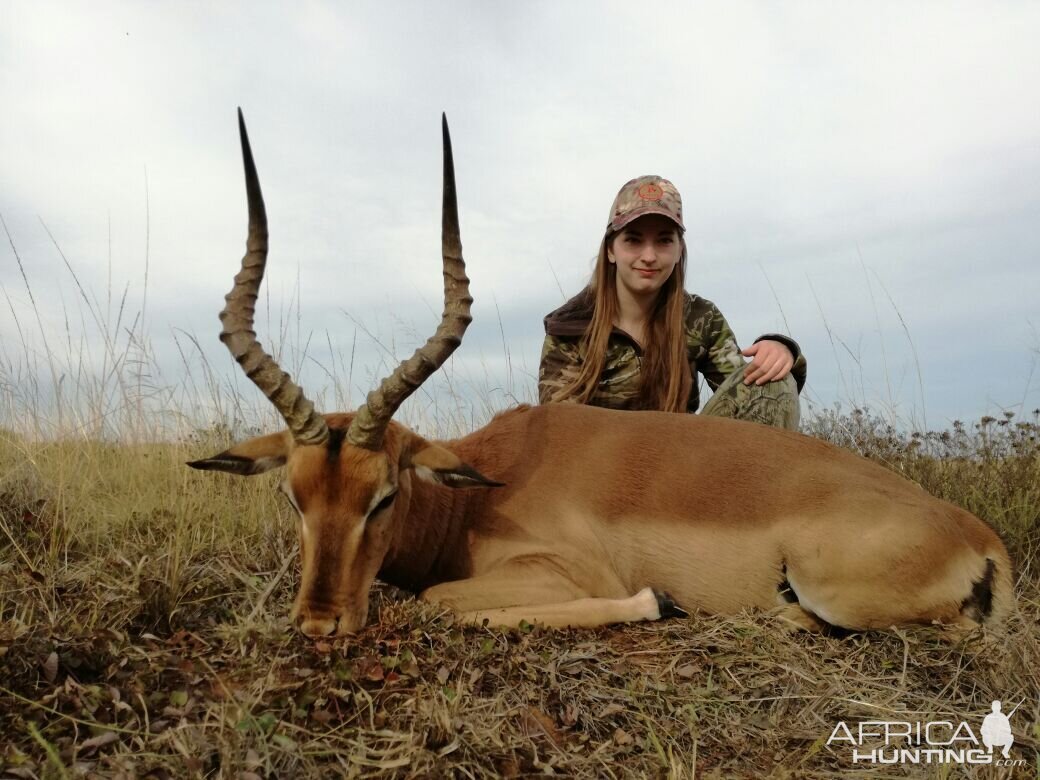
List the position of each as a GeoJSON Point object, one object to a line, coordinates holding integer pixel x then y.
{"type": "Point", "coordinates": [619, 223]}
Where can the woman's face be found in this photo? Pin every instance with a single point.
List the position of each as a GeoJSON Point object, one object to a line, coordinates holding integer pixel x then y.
{"type": "Point", "coordinates": [645, 252]}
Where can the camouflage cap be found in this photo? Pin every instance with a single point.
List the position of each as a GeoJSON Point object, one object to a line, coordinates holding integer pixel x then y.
{"type": "Point", "coordinates": [645, 195]}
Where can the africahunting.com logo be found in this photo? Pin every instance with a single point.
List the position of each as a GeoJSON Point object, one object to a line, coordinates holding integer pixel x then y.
{"type": "Point", "coordinates": [929, 742]}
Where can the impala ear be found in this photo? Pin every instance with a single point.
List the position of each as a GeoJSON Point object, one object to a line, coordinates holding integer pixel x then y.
{"type": "Point", "coordinates": [437, 464]}
{"type": "Point", "coordinates": [254, 456]}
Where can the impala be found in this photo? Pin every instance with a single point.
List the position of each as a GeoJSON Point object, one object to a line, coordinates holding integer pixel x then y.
{"type": "Point", "coordinates": [571, 515]}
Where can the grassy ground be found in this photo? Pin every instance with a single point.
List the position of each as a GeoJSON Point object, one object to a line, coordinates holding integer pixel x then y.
{"type": "Point", "coordinates": [144, 632]}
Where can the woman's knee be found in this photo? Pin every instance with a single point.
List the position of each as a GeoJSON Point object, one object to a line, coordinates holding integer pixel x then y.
{"type": "Point", "coordinates": [774, 403]}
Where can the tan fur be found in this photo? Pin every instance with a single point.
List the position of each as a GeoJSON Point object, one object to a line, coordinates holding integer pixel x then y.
{"type": "Point", "coordinates": [599, 505]}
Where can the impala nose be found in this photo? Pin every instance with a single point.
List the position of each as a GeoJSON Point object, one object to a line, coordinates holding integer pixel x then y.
{"type": "Point", "coordinates": [316, 627]}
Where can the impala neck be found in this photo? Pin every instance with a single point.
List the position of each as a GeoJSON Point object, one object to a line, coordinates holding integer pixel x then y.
{"type": "Point", "coordinates": [432, 524]}
{"type": "Point", "coordinates": [429, 544]}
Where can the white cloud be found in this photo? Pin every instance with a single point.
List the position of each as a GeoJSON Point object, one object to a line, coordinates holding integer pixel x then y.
{"type": "Point", "coordinates": [801, 135]}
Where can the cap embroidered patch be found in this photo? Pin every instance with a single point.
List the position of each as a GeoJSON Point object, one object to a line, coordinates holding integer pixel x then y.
{"type": "Point", "coordinates": [650, 192]}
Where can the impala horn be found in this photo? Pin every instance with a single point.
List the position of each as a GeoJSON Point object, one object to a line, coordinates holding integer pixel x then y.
{"type": "Point", "coordinates": [367, 427]}
{"type": "Point", "coordinates": [306, 425]}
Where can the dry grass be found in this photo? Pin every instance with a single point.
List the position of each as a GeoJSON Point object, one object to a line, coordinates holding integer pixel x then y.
{"type": "Point", "coordinates": [144, 631]}
{"type": "Point", "coordinates": [141, 635]}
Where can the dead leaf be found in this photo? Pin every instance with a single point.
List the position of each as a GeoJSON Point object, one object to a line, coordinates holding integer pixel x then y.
{"type": "Point", "coordinates": [443, 674]}
{"type": "Point", "coordinates": [536, 720]}
{"type": "Point", "coordinates": [99, 741]}
{"type": "Point", "coordinates": [372, 670]}
{"type": "Point", "coordinates": [322, 716]}
{"type": "Point", "coordinates": [50, 667]}
{"type": "Point", "coordinates": [508, 767]}
{"type": "Point", "coordinates": [194, 764]}
{"type": "Point", "coordinates": [686, 671]}
{"type": "Point", "coordinates": [622, 737]}
{"type": "Point", "coordinates": [611, 709]}
{"type": "Point", "coordinates": [569, 716]}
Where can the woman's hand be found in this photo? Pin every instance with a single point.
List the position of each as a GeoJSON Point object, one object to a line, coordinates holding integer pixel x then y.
{"type": "Point", "coordinates": [772, 361]}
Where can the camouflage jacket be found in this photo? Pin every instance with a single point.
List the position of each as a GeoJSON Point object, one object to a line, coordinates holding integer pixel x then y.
{"type": "Point", "coordinates": [711, 349]}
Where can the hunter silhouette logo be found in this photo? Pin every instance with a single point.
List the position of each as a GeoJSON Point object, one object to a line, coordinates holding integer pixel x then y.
{"type": "Point", "coordinates": [996, 730]}
{"type": "Point", "coordinates": [929, 742]}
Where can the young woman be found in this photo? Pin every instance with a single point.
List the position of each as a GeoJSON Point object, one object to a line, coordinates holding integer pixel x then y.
{"type": "Point", "coordinates": [635, 339]}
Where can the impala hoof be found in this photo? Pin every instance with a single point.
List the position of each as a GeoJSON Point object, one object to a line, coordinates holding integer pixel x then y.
{"type": "Point", "coordinates": [668, 608]}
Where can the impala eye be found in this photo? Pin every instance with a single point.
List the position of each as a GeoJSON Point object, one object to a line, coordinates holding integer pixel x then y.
{"type": "Point", "coordinates": [384, 503]}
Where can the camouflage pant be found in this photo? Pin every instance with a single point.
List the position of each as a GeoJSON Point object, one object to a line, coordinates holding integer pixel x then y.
{"type": "Point", "coordinates": [774, 403]}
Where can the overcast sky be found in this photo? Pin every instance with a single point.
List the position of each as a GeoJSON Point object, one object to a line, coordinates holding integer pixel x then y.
{"type": "Point", "coordinates": [863, 176]}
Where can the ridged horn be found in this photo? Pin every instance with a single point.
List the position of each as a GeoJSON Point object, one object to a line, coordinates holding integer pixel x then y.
{"type": "Point", "coordinates": [306, 425]}
{"type": "Point", "coordinates": [367, 427]}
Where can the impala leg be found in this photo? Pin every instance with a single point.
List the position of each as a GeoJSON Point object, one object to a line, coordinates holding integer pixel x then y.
{"type": "Point", "coordinates": [505, 600]}
{"type": "Point", "coordinates": [963, 628]}
{"type": "Point", "coordinates": [579, 613]}
{"type": "Point", "coordinates": [794, 618]}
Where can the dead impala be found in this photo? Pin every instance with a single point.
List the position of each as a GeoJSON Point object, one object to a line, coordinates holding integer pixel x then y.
{"type": "Point", "coordinates": [589, 516]}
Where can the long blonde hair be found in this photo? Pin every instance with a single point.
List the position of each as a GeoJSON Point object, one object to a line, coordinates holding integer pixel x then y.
{"type": "Point", "coordinates": [665, 381]}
